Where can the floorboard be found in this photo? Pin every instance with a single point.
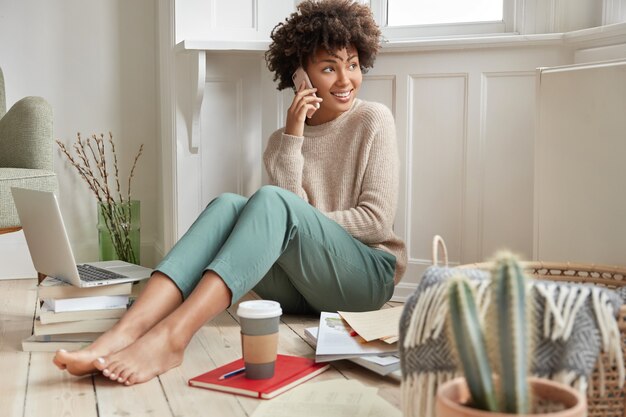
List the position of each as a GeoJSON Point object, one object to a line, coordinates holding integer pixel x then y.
{"type": "Point", "coordinates": [54, 393]}
{"type": "Point", "coordinates": [140, 400]}
{"type": "Point", "coordinates": [17, 303]}
{"type": "Point", "coordinates": [32, 387]}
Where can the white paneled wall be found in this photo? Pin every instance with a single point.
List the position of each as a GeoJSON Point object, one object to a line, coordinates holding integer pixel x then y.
{"type": "Point", "coordinates": [465, 118]}
{"type": "Point", "coordinates": [465, 122]}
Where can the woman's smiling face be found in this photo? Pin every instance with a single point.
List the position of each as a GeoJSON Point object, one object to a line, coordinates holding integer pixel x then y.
{"type": "Point", "coordinates": [337, 77]}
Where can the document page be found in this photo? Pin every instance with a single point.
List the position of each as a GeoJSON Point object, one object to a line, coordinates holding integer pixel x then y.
{"type": "Point", "coordinates": [372, 325]}
{"type": "Point", "coordinates": [335, 341]}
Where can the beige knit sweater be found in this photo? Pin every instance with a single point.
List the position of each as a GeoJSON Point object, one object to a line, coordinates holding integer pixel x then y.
{"type": "Point", "coordinates": [348, 169]}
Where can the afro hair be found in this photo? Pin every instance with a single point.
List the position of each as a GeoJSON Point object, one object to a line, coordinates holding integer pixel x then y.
{"type": "Point", "coordinates": [328, 24]}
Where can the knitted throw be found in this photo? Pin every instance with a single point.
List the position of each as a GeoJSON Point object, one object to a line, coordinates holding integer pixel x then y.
{"type": "Point", "coordinates": [574, 323]}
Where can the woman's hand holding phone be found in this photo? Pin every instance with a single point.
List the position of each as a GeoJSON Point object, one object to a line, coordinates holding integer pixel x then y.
{"type": "Point", "coordinates": [304, 104]}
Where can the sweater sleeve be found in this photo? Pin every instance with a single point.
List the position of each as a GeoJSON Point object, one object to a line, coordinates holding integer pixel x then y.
{"type": "Point", "coordinates": [284, 162]}
{"type": "Point", "coordinates": [371, 221]}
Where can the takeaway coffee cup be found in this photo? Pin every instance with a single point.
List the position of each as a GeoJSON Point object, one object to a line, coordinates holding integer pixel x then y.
{"type": "Point", "coordinates": [259, 336]}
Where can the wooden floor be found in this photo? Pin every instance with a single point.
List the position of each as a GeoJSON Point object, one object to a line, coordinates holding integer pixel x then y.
{"type": "Point", "coordinates": [30, 385]}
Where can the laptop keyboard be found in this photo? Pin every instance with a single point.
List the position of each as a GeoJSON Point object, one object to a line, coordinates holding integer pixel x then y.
{"type": "Point", "coordinates": [93, 273]}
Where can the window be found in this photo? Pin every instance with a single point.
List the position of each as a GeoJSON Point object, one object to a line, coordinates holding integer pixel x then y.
{"type": "Point", "coordinates": [410, 19]}
{"type": "Point", "coordinates": [427, 12]}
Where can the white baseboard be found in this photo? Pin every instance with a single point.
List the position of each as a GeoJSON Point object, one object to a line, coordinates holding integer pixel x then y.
{"type": "Point", "coordinates": [15, 262]}
{"type": "Point", "coordinates": [402, 292]}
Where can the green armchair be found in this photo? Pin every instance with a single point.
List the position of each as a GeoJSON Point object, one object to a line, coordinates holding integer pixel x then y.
{"type": "Point", "coordinates": [26, 152]}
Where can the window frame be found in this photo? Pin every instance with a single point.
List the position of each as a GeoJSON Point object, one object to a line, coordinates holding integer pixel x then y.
{"type": "Point", "coordinates": [390, 33]}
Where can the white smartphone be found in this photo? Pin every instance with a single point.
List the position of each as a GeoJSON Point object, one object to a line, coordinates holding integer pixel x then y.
{"type": "Point", "coordinates": [299, 76]}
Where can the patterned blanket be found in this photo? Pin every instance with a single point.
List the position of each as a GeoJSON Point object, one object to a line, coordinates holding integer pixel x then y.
{"type": "Point", "coordinates": [574, 323]}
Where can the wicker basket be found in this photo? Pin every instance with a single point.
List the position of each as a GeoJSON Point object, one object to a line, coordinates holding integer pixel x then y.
{"type": "Point", "coordinates": [611, 404]}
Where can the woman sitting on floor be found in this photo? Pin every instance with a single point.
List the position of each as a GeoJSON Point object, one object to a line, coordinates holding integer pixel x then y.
{"type": "Point", "coordinates": [320, 238]}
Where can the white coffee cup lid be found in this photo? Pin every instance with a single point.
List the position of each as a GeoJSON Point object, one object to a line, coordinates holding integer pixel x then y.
{"type": "Point", "coordinates": [259, 309]}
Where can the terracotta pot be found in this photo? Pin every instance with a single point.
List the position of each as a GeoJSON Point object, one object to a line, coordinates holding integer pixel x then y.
{"type": "Point", "coordinates": [453, 395]}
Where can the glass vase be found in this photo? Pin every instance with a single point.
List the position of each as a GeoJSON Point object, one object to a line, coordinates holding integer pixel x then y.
{"type": "Point", "coordinates": [119, 231]}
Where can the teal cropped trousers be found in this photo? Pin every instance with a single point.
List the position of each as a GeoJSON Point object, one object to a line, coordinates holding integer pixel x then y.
{"type": "Point", "coordinates": [285, 250]}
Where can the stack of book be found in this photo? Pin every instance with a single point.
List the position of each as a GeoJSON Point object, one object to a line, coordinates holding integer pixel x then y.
{"type": "Point", "coordinates": [69, 317]}
{"type": "Point", "coordinates": [369, 339]}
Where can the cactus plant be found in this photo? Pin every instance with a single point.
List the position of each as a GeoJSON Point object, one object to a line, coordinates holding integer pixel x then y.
{"type": "Point", "coordinates": [502, 345]}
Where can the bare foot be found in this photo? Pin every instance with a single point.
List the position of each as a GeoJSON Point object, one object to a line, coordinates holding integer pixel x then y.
{"type": "Point", "coordinates": [151, 355]}
{"type": "Point", "coordinates": [81, 362]}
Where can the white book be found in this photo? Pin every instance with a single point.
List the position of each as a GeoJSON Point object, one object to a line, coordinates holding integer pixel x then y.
{"type": "Point", "coordinates": [335, 341]}
{"type": "Point", "coordinates": [65, 337]}
{"type": "Point", "coordinates": [47, 315]}
{"type": "Point", "coordinates": [103, 302]}
{"type": "Point", "coordinates": [82, 326]}
{"type": "Point", "coordinates": [382, 365]}
{"type": "Point", "coordinates": [39, 344]}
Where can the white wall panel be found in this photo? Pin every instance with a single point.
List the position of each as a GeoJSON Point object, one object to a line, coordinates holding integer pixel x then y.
{"type": "Point", "coordinates": [221, 141]}
{"type": "Point", "coordinates": [380, 88]}
{"type": "Point", "coordinates": [507, 124]}
{"type": "Point", "coordinates": [579, 188]}
{"type": "Point", "coordinates": [228, 158]}
{"type": "Point", "coordinates": [578, 14]}
{"type": "Point", "coordinates": [437, 146]}
{"type": "Point", "coordinates": [229, 20]}
{"type": "Point", "coordinates": [604, 53]}
{"type": "Point", "coordinates": [235, 14]}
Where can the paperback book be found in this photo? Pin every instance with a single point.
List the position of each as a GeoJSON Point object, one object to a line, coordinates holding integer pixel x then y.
{"type": "Point", "coordinates": [52, 343]}
{"type": "Point", "coordinates": [82, 326]}
{"type": "Point", "coordinates": [382, 365]}
{"type": "Point", "coordinates": [100, 302]}
{"type": "Point", "coordinates": [47, 315]}
{"type": "Point", "coordinates": [335, 340]}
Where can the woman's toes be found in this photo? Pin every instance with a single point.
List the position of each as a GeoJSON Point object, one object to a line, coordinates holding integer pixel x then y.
{"type": "Point", "coordinates": [60, 359]}
{"type": "Point", "coordinates": [113, 377]}
{"type": "Point", "coordinates": [122, 375]}
{"type": "Point", "coordinates": [100, 364]}
{"type": "Point", "coordinates": [130, 380]}
{"type": "Point", "coordinates": [106, 372]}
{"type": "Point", "coordinates": [58, 363]}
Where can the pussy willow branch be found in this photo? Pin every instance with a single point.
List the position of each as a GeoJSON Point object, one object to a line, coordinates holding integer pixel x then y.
{"type": "Point", "coordinates": [132, 171]}
{"type": "Point", "coordinates": [80, 149]}
{"type": "Point", "coordinates": [117, 171]}
{"type": "Point", "coordinates": [105, 174]}
{"type": "Point", "coordinates": [85, 169]}
{"type": "Point", "coordinates": [91, 165]}
{"type": "Point", "coordinates": [98, 164]}
{"type": "Point", "coordinates": [82, 171]}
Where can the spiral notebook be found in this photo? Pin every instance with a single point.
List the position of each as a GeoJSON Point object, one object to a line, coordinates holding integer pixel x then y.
{"type": "Point", "coordinates": [289, 372]}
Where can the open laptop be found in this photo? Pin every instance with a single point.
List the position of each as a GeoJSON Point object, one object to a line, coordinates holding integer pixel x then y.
{"type": "Point", "coordinates": [50, 248]}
